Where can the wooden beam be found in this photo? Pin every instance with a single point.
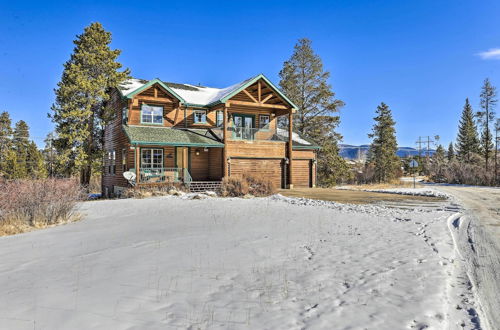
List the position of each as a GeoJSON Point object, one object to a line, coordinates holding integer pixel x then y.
{"type": "Point", "coordinates": [224, 140]}
{"type": "Point", "coordinates": [290, 147]}
{"type": "Point", "coordinates": [267, 98]}
{"type": "Point", "coordinates": [250, 96]}
{"type": "Point", "coordinates": [251, 104]}
{"type": "Point", "coordinates": [156, 92]}
{"type": "Point", "coordinates": [155, 99]}
{"type": "Point", "coordinates": [137, 165]}
{"type": "Point", "coordinates": [259, 91]}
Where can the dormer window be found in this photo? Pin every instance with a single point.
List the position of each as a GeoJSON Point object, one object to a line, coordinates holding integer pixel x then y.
{"type": "Point", "coordinates": [200, 117]}
{"type": "Point", "coordinates": [151, 114]}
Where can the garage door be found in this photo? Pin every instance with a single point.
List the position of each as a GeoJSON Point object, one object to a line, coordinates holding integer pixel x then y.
{"type": "Point", "coordinates": [270, 168]}
{"type": "Point", "coordinates": [301, 172]}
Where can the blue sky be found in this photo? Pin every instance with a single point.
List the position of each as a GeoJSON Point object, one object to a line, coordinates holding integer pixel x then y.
{"type": "Point", "coordinates": [420, 57]}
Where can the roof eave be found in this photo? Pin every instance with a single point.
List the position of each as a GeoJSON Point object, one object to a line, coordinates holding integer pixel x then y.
{"type": "Point", "coordinates": [151, 83]}
{"type": "Point", "coordinates": [251, 82]}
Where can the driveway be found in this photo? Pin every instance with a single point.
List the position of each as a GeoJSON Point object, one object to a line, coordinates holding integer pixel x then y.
{"type": "Point", "coordinates": [478, 240]}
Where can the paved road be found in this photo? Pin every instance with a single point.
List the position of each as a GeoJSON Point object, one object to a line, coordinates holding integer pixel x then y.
{"type": "Point", "coordinates": [478, 241]}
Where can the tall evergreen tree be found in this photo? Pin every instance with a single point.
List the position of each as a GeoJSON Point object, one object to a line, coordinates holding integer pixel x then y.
{"type": "Point", "coordinates": [79, 110]}
{"type": "Point", "coordinates": [35, 163]}
{"type": "Point", "coordinates": [5, 140]}
{"type": "Point", "coordinates": [305, 82]}
{"type": "Point", "coordinates": [467, 139]}
{"type": "Point", "coordinates": [485, 118]}
{"type": "Point", "coordinates": [21, 144]}
{"type": "Point", "coordinates": [384, 145]}
{"type": "Point", "coordinates": [451, 152]}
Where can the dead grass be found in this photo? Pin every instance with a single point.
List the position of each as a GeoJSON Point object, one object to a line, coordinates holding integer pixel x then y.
{"type": "Point", "coordinates": [26, 205]}
{"type": "Point", "coordinates": [351, 196]}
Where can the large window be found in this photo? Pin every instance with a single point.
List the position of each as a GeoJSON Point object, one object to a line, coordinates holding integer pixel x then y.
{"type": "Point", "coordinates": [220, 119]}
{"type": "Point", "coordinates": [124, 115]}
{"type": "Point", "coordinates": [264, 121]}
{"type": "Point", "coordinates": [200, 117]}
{"type": "Point", "coordinates": [151, 114]}
{"type": "Point", "coordinates": [151, 158]}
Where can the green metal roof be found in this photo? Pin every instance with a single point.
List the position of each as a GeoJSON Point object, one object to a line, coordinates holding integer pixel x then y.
{"type": "Point", "coordinates": [167, 136]}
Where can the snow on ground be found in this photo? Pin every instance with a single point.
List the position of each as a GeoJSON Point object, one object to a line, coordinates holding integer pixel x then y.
{"type": "Point", "coordinates": [273, 263]}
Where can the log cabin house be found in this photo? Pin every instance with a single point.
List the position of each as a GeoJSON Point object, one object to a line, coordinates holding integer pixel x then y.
{"type": "Point", "coordinates": [168, 132]}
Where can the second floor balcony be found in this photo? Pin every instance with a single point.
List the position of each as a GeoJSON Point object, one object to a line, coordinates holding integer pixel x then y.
{"type": "Point", "coordinates": [265, 133]}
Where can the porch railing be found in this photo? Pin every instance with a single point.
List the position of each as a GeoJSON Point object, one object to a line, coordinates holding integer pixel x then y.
{"type": "Point", "coordinates": [164, 175]}
{"type": "Point", "coordinates": [249, 134]}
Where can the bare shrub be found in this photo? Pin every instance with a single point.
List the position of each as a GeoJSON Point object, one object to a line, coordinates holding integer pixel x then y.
{"type": "Point", "coordinates": [38, 202]}
{"type": "Point", "coordinates": [145, 191]}
{"type": "Point", "coordinates": [237, 186]}
{"type": "Point", "coordinates": [234, 186]}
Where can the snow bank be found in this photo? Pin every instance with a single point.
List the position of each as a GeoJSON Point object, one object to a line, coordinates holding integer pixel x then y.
{"type": "Point", "coordinates": [426, 192]}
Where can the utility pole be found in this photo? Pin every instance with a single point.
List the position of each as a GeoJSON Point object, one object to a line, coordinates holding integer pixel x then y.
{"type": "Point", "coordinates": [419, 142]}
{"type": "Point", "coordinates": [428, 146]}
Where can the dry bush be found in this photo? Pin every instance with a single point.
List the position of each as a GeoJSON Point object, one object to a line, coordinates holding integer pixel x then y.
{"type": "Point", "coordinates": [144, 192]}
{"type": "Point", "coordinates": [38, 203]}
{"type": "Point", "coordinates": [237, 186]}
{"type": "Point", "coordinates": [234, 186]}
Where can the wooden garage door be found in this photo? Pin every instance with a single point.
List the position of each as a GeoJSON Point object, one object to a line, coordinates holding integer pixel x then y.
{"type": "Point", "coordinates": [301, 172]}
{"type": "Point", "coordinates": [270, 168]}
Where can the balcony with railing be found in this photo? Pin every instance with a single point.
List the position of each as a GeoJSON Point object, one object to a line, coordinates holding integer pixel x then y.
{"type": "Point", "coordinates": [251, 134]}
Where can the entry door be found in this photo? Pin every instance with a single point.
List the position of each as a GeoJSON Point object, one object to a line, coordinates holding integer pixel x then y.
{"type": "Point", "coordinates": [181, 157]}
{"type": "Point", "coordinates": [243, 127]}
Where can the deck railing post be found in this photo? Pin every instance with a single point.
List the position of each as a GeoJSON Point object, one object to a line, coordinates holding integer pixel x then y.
{"type": "Point", "coordinates": [137, 164]}
{"type": "Point", "coordinates": [290, 156]}
{"type": "Point", "coordinates": [224, 140]}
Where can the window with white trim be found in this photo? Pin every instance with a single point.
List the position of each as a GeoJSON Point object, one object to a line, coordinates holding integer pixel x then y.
{"type": "Point", "coordinates": [264, 121]}
{"type": "Point", "coordinates": [200, 116]}
{"type": "Point", "coordinates": [151, 158]}
{"type": "Point", "coordinates": [151, 114]}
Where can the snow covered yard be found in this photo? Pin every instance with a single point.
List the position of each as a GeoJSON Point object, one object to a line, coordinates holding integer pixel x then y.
{"type": "Point", "coordinates": [169, 263]}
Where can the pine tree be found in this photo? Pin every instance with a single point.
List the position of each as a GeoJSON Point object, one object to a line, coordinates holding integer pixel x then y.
{"type": "Point", "coordinates": [467, 139]}
{"type": "Point", "coordinates": [79, 110]}
{"type": "Point", "coordinates": [439, 155]}
{"type": "Point", "coordinates": [384, 145]}
{"type": "Point", "coordinates": [5, 140]}
{"type": "Point", "coordinates": [21, 143]}
{"type": "Point", "coordinates": [451, 152]}
{"type": "Point", "coordinates": [35, 163]}
{"type": "Point", "coordinates": [485, 118]}
{"type": "Point", "coordinates": [305, 82]}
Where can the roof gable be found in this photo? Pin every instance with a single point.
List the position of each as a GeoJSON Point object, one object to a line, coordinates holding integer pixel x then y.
{"type": "Point", "coordinates": [198, 96]}
{"type": "Point", "coordinates": [136, 88]}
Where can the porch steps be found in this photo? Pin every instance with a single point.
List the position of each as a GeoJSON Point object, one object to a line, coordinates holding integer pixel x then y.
{"type": "Point", "coordinates": [202, 186]}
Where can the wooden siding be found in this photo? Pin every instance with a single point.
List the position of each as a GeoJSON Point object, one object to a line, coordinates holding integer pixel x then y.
{"type": "Point", "coordinates": [114, 140]}
{"type": "Point", "coordinates": [304, 154]}
{"type": "Point", "coordinates": [269, 168]}
{"type": "Point", "coordinates": [199, 168]}
{"type": "Point", "coordinates": [302, 173]}
{"type": "Point", "coordinates": [215, 163]}
{"type": "Point", "coordinates": [261, 149]}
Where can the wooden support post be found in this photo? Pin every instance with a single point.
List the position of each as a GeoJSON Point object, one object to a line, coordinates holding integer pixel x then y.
{"type": "Point", "coordinates": [290, 152]}
{"type": "Point", "coordinates": [259, 91]}
{"type": "Point", "coordinates": [137, 164]}
{"type": "Point", "coordinates": [224, 140]}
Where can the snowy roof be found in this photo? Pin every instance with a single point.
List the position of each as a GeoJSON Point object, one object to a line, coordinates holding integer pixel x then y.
{"type": "Point", "coordinates": [297, 140]}
{"type": "Point", "coordinates": [191, 94]}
